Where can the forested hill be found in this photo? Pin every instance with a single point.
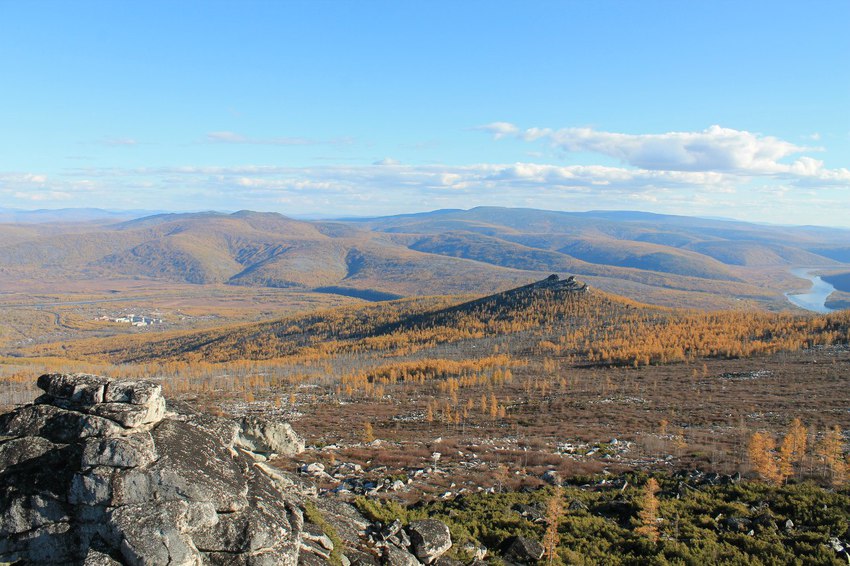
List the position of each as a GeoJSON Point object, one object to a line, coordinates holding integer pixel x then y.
{"type": "Point", "coordinates": [664, 260]}
{"type": "Point", "coordinates": [444, 318]}
{"type": "Point", "coordinates": [560, 317]}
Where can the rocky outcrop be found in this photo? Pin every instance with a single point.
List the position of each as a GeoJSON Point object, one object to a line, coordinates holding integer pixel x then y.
{"type": "Point", "coordinates": [555, 282]}
{"type": "Point", "coordinates": [96, 472]}
{"type": "Point", "coordinates": [421, 542]}
{"type": "Point", "coordinates": [267, 438]}
{"type": "Point", "coordinates": [522, 550]}
{"type": "Point", "coordinates": [100, 472]}
{"type": "Point", "coordinates": [429, 539]}
{"type": "Point", "coordinates": [551, 283]}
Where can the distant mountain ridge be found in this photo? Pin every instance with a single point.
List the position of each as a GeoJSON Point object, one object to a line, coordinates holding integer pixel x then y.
{"type": "Point", "coordinates": [660, 259]}
{"type": "Point", "coordinates": [18, 216]}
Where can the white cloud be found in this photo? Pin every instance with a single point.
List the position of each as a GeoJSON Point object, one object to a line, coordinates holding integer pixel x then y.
{"type": "Point", "coordinates": [8, 179]}
{"type": "Point", "coordinates": [716, 149]}
{"type": "Point", "coordinates": [598, 175]}
{"type": "Point", "coordinates": [387, 187]}
{"type": "Point", "coordinates": [397, 182]}
{"type": "Point", "coordinates": [499, 129]}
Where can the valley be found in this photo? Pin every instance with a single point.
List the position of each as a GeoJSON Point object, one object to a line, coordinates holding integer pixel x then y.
{"type": "Point", "coordinates": [664, 260]}
{"type": "Point", "coordinates": [512, 377]}
{"type": "Point", "coordinates": [424, 283]}
{"type": "Point", "coordinates": [343, 336]}
{"type": "Point", "coordinates": [448, 373]}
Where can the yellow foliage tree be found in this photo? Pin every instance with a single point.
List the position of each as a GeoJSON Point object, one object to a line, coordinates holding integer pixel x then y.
{"type": "Point", "coordinates": [831, 451]}
{"type": "Point", "coordinates": [793, 448]}
{"type": "Point", "coordinates": [761, 453]}
{"type": "Point", "coordinates": [554, 514]}
{"type": "Point", "coordinates": [648, 514]}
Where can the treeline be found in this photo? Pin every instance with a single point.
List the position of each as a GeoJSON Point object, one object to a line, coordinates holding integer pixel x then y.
{"type": "Point", "coordinates": [590, 327]}
{"type": "Point", "coordinates": [798, 456]}
{"type": "Point", "coordinates": [468, 372]}
{"type": "Point", "coordinates": [643, 340]}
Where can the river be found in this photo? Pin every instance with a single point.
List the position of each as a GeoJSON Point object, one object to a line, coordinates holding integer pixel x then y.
{"type": "Point", "coordinates": [815, 299]}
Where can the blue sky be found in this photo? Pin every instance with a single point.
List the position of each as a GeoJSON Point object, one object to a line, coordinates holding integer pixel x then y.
{"type": "Point", "coordinates": [738, 109]}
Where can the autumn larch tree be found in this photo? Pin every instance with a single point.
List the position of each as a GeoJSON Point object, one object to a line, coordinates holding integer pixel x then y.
{"type": "Point", "coordinates": [761, 453]}
{"type": "Point", "coordinates": [831, 451]}
{"type": "Point", "coordinates": [793, 449]}
{"type": "Point", "coordinates": [554, 514]}
{"type": "Point", "coordinates": [648, 514]}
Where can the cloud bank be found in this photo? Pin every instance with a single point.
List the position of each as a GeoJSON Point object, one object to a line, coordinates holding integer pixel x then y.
{"type": "Point", "coordinates": [389, 187]}
{"type": "Point", "coordinates": [717, 171]}
{"type": "Point", "coordinates": [716, 149]}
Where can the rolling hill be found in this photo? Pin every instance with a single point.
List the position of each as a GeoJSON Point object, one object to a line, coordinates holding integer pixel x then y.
{"type": "Point", "coordinates": [666, 260]}
{"type": "Point", "coordinates": [560, 316]}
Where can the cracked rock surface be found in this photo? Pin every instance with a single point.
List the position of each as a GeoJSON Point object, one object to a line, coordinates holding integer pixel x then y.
{"type": "Point", "coordinates": [98, 472]}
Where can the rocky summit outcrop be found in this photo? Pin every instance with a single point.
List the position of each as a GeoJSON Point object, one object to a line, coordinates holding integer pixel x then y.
{"type": "Point", "coordinates": [99, 472]}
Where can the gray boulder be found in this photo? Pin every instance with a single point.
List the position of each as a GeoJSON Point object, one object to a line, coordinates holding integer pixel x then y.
{"type": "Point", "coordinates": [553, 477]}
{"type": "Point", "coordinates": [531, 513]}
{"type": "Point", "coordinates": [26, 512]}
{"type": "Point", "coordinates": [266, 437]}
{"type": "Point", "coordinates": [97, 558]}
{"type": "Point", "coordinates": [56, 424]}
{"type": "Point", "coordinates": [95, 473]}
{"type": "Point", "coordinates": [17, 450]}
{"type": "Point", "coordinates": [429, 539]}
{"type": "Point", "coordinates": [76, 389]}
{"type": "Point", "coordinates": [144, 393]}
{"type": "Point", "coordinates": [130, 403]}
{"type": "Point", "coordinates": [132, 451]}
{"type": "Point", "coordinates": [154, 534]}
{"type": "Point", "coordinates": [92, 486]}
{"type": "Point", "coordinates": [474, 551]}
{"type": "Point", "coordinates": [131, 416]}
{"type": "Point", "coordinates": [737, 524]}
{"type": "Point", "coordinates": [522, 550]}
{"type": "Point", "coordinates": [395, 556]}
{"type": "Point", "coordinates": [388, 531]}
